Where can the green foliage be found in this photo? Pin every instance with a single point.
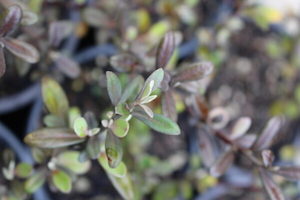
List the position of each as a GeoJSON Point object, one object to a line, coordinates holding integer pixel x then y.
{"type": "Point", "coordinates": [62, 181]}
{"type": "Point", "coordinates": [114, 87]}
{"type": "Point", "coordinates": [35, 181]}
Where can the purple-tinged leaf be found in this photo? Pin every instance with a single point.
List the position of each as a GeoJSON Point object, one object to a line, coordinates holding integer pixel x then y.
{"type": "Point", "coordinates": [222, 163]}
{"type": "Point", "coordinates": [67, 66]}
{"type": "Point", "coordinates": [22, 50]}
{"type": "Point", "coordinates": [269, 133]}
{"type": "Point", "coordinates": [289, 172]}
{"type": "Point", "coordinates": [270, 186]}
{"type": "Point", "coordinates": [267, 157]}
{"type": "Point", "coordinates": [193, 72]}
{"type": "Point", "coordinates": [240, 127]}
{"type": "Point", "coordinates": [58, 31]}
{"type": "Point", "coordinates": [11, 21]}
{"type": "Point", "coordinates": [165, 50]}
{"type": "Point", "coordinates": [52, 138]}
{"type": "Point", "coordinates": [123, 62]}
{"type": "Point", "coordinates": [218, 118]}
{"type": "Point", "coordinates": [168, 105]}
{"type": "Point", "coordinates": [2, 62]}
{"type": "Point", "coordinates": [207, 148]}
{"type": "Point", "coordinates": [246, 141]}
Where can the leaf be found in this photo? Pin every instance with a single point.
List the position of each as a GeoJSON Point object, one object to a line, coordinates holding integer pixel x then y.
{"type": "Point", "coordinates": [113, 150]}
{"type": "Point", "coordinates": [67, 66]}
{"type": "Point", "coordinates": [93, 147]}
{"type": "Point", "coordinates": [119, 171]}
{"type": "Point", "coordinates": [52, 138]}
{"type": "Point", "coordinates": [123, 186]}
{"type": "Point", "coordinates": [222, 163]}
{"type": "Point", "coordinates": [114, 87]}
{"type": "Point", "coordinates": [29, 18]}
{"type": "Point", "coordinates": [123, 62]}
{"type": "Point", "coordinates": [35, 181]}
{"type": "Point", "coordinates": [54, 121]}
{"type": "Point", "coordinates": [54, 97]}
{"type": "Point", "coordinates": [268, 157]}
{"type": "Point", "coordinates": [62, 181]}
{"type": "Point", "coordinates": [271, 187]}
{"type": "Point", "coordinates": [132, 89]}
{"type": "Point", "coordinates": [120, 127]}
{"type": "Point", "coordinates": [11, 21]}
{"type": "Point", "coordinates": [147, 110]}
{"type": "Point", "coordinates": [269, 133]}
{"type": "Point", "coordinates": [148, 99]}
{"type": "Point", "coordinates": [165, 50]}
{"type": "Point", "coordinates": [80, 127]}
{"type": "Point", "coordinates": [70, 160]}
{"type": "Point", "coordinates": [240, 127]}
{"type": "Point", "coordinates": [168, 105]}
{"type": "Point", "coordinates": [159, 123]}
{"type": "Point", "coordinates": [157, 76]}
{"type": "Point", "coordinates": [23, 170]}
{"type": "Point", "coordinates": [246, 141]}
{"type": "Point", "coordinates": [207, 148]}
{"type": "Point", "coordinates": [22, 50]}
{"type": "Point", "coordinates": [289, 172]}
{"type": "Point", "coordinates": [2, 62]}
{"type": "Point", "coordinates": [193, 72]}
{"type": "Point", "coordinates": [59, 30]}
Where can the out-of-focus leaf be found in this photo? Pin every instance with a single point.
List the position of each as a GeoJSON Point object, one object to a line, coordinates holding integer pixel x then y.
{"type": "Point", "coordinates": [91, 119]}
{"type": "Point", "coordinates": [206, 146]}
{"type": "Point", "coordinates": [113, 150]}
{"type": "Point", "coordinates": [240, 127]}
{"type": "Point", "coordinates": [165, 50]}
{"type": "Point", "coordinates": [269, 133]}
{"type": "Point", "coordinates": [268, 157]}
{"type": "Point", "coordinates": [147, 110]}
{"type": "Point", "coordinates": [54, 121]}
{"type": "Point", "coordinates": [70, 160]}
{"type": "Point", "coordinates": [218, 118]}
{"type": "Point", "coordinates": [29, 18]}
{"type": "Point", "coordinates": [54, 97]}
{"type": "Point", "coordinates": [123, 62]}
{"type": "Point", "coordinates": [80, 127]}
{"type": "Point", "coordinates": [246, 141]}
{"type": "Point", "coordinates": [193, 72]}
{"type": "Point", "coordinates": [132, 89]}
{"type": "Point", "coordinates": [58, 31]}
{"type": "Point", "coordinates": [39, 155]}
{"type": "Point", "coordinates": [120, 127]}
{"type": "Point", "coordinates": [119, 171]}
{"type": "Point", "coordinates": [73, 114]}
{"type": "Point", "coordinates": [168, 105]}
{"type": "Point", "coordinates": [93, 147]}
{"type": "Point", "coordinates": [68, 66]}
{"type": "Point", "coordinates": [35, 181]}
{"type": "Point", "coordinates": [52, 138]}
{"type": "Point", "coordinates": [159, 123]}
{"type": "Point", "coordinates": [23, 170]}
{"type": "Point", "coordinates": [94, 17]}
{"type": "Point", "coordinates": [271, 187]}
{"type": "Point", "coordinates": [2, 62]}
{"type": "Point", "coordinates": [62, 181]}
{"type": "Point", "coordinates": [11, 21]}
{"type": "Point", "coordinates": [123, 186]}
{"type": "Point", "coordinates": [114, 87]}
{"type": "Point", "coordinates": [22, 50]}
{"type": "Point", "coordinates": [222, 163]}
{"type": "Point", "coordinates": [289, 172]}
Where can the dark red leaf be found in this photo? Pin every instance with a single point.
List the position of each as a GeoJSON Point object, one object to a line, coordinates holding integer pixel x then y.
{"type": "Point", "coordinates": [165, 50]}
{"type": "Point", "coordinates": [11, 21]}
{"type": "Point", "coordinates": [21, 49]}
{"type": "Point", "coordinates": [58, 31]}
{"type": "Point", "coordinates": [168, 105]}
{"type": "Point", "coordinates": [271, 187]}
{"type": "Point", "coordinates": [268, 157]}
{"type": "Point", "coordinates": [67, 66]}
{"type": "Point", "coordinates": [222, 163]}
{"type": "Point", "coordinates": [289, 172]}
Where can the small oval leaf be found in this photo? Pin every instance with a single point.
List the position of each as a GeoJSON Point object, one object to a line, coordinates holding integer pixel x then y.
{"type": "Point", "coordinates": [113, 150]}
{"type": "Point", "coordinates": [35, 181]}
{"type": "Point", "coordinates": [120, 127]}
{"type": "Point", "coordinates": [11, 21]}
{"type": "Point", "coordinates": [119, 171]}
{"type": "Point", "coordinates": [80, 127]}
{"type": "Point", "coordinates": [70, 160]}
{"type": "Point", "coordinates": [114, 87]}
{"type": "Point", "coordinates": [62, 181]}
{"type": "Point", "coordinates": [165, 50]}
{"type": "Point", "coordinates": [222, 163]}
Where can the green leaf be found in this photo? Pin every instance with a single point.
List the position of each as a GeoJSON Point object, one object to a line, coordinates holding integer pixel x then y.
{"type": "Point", "coordinates": [80, 127]}
{"type": "Point", "coordinates": [53, 121]}
{"type": "Point", "coordinates": [120, 171]}
{"type": "Point", "coordinates": [114, 87]}
{"type": "Point", "coordinates": [54, 97]}
{"type": "Point", "coordinates": [132, 89]}
{"type": "Point", "coordinates": [73, 114]}
{"type": "Point", "coordinates": [159, 123]}
{"type": "Point", "coordinates": [123, 186]}
{"type": "Point", "coordinates": [157, 76]}
{"type": "Point", "coordinates": [35, 181]}
{"type": "Point", "coordinates": [70, 160]}
{"type": "Point", "coordinates": [52, 138]}
{"type": "Point", "coordinates": [113, 150]}
{"type": "Point", "coordinates": [93, 147]}
{"type": "Point", "coordinates": [23, 170]}
{"type": "Point", "coordinates": [120, 127]}
{"type": "Point", "coordinates": [62, 181]}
